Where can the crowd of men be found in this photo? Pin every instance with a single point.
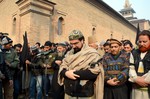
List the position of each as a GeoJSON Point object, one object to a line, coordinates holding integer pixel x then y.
{"type": "Point", "coordinates": [76, 70]}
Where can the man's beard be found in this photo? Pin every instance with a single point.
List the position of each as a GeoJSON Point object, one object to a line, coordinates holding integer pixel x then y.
{"type": "Point", "coordinates": [144, 49]}
{"type": "Point", "coordinates": [76, 50]}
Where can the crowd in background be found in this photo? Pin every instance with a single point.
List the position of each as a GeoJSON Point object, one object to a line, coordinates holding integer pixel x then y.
{"type": "Point", "coordinates": [126, 68]}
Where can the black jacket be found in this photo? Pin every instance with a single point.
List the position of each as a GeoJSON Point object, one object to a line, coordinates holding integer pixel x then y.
{"type": "Point", "coordinates": [145, 60]}
{"type": "Point", "coordinates": [36, 65]}
{"type": "Point", "coordinates": [146, 63]}
{"type": "Point", "coordinates": [75, 88]}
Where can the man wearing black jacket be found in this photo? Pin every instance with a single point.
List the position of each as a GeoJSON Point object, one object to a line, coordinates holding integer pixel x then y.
{"type": "Point", "coordinates": [75, 71]}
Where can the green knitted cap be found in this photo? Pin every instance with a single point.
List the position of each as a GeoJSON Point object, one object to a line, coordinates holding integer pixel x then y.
{"type": "Point", "coordinates": [75, 34]}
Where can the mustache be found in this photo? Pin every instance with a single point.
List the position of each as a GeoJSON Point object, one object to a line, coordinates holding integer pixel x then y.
{"type": "Point", "coordinates": [143, 49]}
{"type": "Point", "coordinates": [113, 51]}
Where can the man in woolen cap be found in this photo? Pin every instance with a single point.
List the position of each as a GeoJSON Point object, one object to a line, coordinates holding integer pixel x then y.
{"type": "Point", "coordinates": [76, 73]}
{"type": "Point", "coordinates": [4, 70]}
{"type": "Point", "coordinates": [115, 66]}
{"type": "Point", "coordinates": [2, 35]}
{"type": "Point", "coordinates": [11, 60]}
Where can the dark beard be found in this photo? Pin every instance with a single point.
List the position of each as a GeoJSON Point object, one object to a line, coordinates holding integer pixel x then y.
{"type": "Point", "coordinates": [144, 49]}
{"type": "Point", "coordinates": [76, 50]}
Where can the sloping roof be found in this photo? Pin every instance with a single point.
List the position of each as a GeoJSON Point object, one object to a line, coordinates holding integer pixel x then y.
{"type": "Point", "coordinates": [138, 20]}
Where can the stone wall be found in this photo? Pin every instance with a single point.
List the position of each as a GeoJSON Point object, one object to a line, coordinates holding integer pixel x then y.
{"type": "Point", "coordinates": [77, 14]}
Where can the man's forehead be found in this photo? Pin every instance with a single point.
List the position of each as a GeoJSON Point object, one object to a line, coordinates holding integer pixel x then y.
{"type": "Point", "coordinates": [127, 45]}
{"type": "Point", "coordinates": [114, 44]}
{"type": "Point", "coordinates": [74, 41]}
{"type": "Point", "coordinates": [143, 37]}
{"type": "Point", "coordinates": [46, 46]}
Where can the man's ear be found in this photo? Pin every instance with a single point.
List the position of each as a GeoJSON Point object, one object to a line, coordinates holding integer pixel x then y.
{"type": "Point", "coordinates": [82, 41]}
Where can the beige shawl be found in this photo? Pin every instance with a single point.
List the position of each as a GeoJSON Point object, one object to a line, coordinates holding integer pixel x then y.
{"type": "Point", "coordinates": [81, 60]}
{"type": "Point", "coordinates": [99, 84]}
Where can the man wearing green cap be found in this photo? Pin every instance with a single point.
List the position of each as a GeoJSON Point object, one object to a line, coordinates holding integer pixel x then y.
{"type": "Point", "coordinates": [76, 72]}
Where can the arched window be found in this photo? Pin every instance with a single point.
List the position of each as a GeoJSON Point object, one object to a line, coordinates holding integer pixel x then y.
{"type": "Point", "coordinates": [93, 31]}
{"type": "Point", "coordinates": [14, 26]}
{"type": "Point", "coordinates": [60, 25]}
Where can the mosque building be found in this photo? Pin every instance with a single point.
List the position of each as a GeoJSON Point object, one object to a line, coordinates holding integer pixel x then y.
{"type": "Point", "coordinates": [54, 19]}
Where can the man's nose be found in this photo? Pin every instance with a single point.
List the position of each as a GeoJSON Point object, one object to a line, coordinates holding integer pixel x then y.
{"type": "Point", "coordinates": [141, 43]}
{"type": "Point", "coordinates": [73, 46]}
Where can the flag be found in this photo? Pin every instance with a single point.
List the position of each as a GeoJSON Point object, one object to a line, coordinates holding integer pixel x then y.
{"type": "Point", "coordinates": [137, 33]}
{"type": "Point", "coordinates": [25, 48]}
{"type": "Point", "coordinates": [24, 57]}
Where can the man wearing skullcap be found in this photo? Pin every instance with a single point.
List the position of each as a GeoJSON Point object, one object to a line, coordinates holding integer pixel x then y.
{"type": "Point", "coordinates": [92, 42]}
{"type": "Point", "coordinates": [76, 72]}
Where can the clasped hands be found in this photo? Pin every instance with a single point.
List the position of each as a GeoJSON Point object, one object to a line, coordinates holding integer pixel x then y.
{"type": "Point", "coordinates": [141, 81]}
{"type": "Point", "coordinates": [113, 82]}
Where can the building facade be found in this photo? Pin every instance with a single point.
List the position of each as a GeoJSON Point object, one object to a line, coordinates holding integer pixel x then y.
{"type": "Point", "coordinates": [128, 13]}
{"type": "Point", "coordinates": [54, 19]}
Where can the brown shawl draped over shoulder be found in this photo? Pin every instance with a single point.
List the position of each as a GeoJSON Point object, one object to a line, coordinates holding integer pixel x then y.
{"type": "Point", "coordinates": [81, 60]}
